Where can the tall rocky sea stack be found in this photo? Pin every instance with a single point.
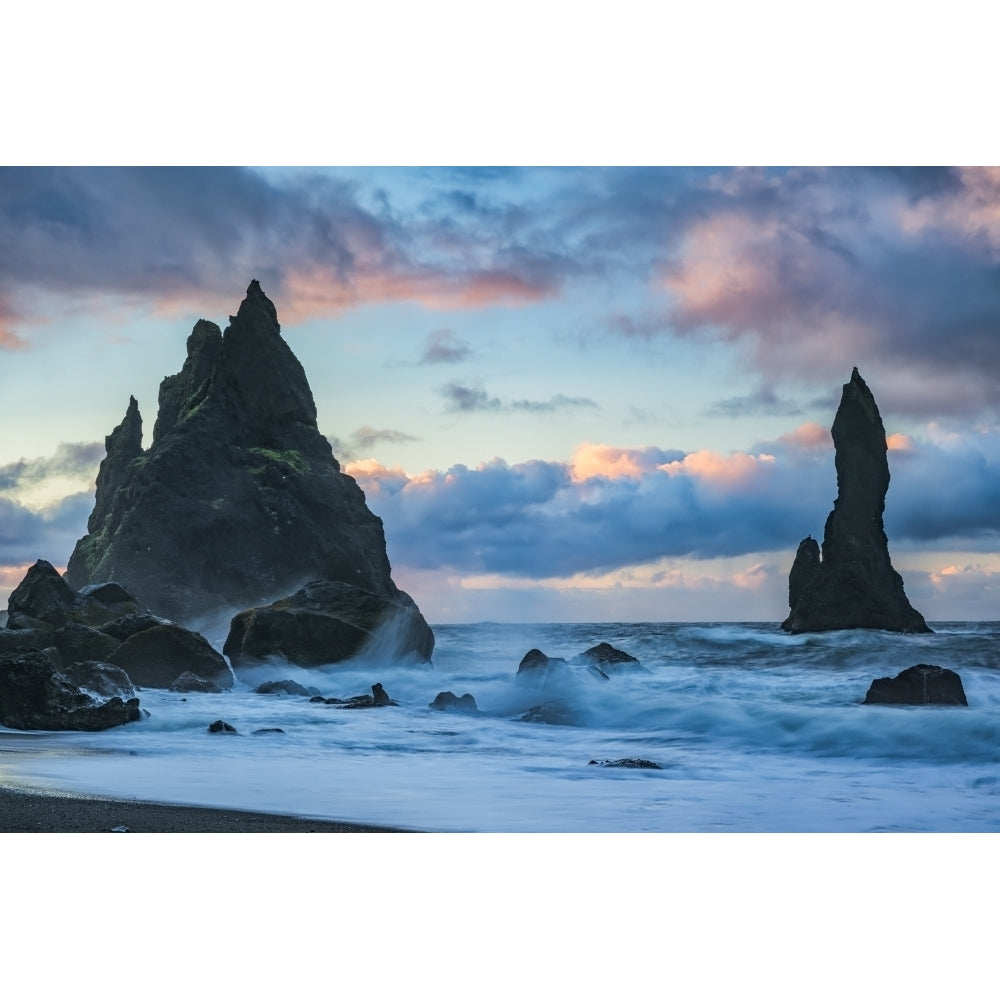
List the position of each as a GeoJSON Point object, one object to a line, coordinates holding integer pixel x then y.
{"type": "Point", "coordinates": [239, 499]}
{"type": "Point", "coordinates": [853, 584]}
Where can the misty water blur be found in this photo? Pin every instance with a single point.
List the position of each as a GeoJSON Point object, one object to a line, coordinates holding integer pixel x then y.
{"type": "Point", "coordinates": [753, 729]}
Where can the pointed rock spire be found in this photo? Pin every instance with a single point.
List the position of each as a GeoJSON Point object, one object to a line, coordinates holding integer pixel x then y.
{"type": "Point", "coordinates": [123, 445]}
{"type": "Point", "coordinates": [853, 583]}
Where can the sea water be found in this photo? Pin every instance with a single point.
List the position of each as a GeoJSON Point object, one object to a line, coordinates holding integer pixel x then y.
{"type": "Point", "coordinates": [752, 729]}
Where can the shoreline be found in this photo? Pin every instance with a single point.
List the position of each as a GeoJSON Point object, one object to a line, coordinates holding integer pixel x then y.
{"type": "Point", "coordinates": [32, 810]}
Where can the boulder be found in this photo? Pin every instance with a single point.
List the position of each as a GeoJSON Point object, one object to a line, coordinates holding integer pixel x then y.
{"type": "Point", "coordinates": [445, 701]}
{"type": "Point", "coordinates": [44, 596]}
{"type": "Point", "coordinates": [36, 694]}
{"type": "Point", "coordinates": [13, 640]}
{"type": "Point", "coordinates": [81, 642]}
{"type": "Point", "coordinates": [852, 583]}
{"type": "Point", "coordinates": [536, 661]}
{"type": "Point", "coordinates": [157, 656]}
{"type": "Point", "coordinates": [238, 498]}
{"type": "Point", "coordinates": [128, 625]}
{"type": "Point", "coordinates": [104, 680]}
{"type": "Point", "coordinates": [329, 621]}
{"type": "Point", "coordinates": [189, 682]}
{"type": "Point", "coordinates": [606, 658]}
{"type": "Point", "coordinates": [922, 684]}
{"type": "Point", "coordinates": [221, 727]}
{"type": "Point", "coordinates": [286, 687]}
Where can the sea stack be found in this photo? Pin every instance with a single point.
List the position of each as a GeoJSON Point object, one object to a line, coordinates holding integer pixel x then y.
{"type": "Point", "coordinates": [852, 584]}
{"type": "Point", "coordinates": [239, 499]}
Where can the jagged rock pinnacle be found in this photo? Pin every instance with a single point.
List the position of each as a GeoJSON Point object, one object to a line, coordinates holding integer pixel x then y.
{"type": "Point", "coordinates": [239, 499]}
{"type": "Point", "coordinates": [853, 583]}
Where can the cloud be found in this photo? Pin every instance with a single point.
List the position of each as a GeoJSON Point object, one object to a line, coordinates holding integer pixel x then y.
{"type": "Point", "coordinates": [764, 401]}
{"type": "Point", "coordinates": [79, 460]}
{"type": "Point", "coordinates": [27, 535]}
{"type": "Point", "coordinates": [367, 437]}
{"type": "Point", "coordinates": [462, 398]}
{"type": "Point", "coordinates": [443, 347]}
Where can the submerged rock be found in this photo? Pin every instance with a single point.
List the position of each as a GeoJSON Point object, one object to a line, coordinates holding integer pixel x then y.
{"type": "Point", "coordinates": [239, 497]}
{"type": "Point", "coordinates": [852, 584]}
{"type": "Point", "coordinates": [286, 687]}
{"type": "Point", "coordinates": [329, 621]}
{"type": "Point", "coordinates": [922, 684]}
{"type": "Point", "coordinates": [551, 713]}
{"type": "Point", "coordinates": [35, 693]}
{"type": "Point", "coordinates": [638, 762]}
{"type": "Point", "coordinates": [446, 701]}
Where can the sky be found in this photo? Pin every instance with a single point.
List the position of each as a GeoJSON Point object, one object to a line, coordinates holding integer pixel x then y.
{"type": "Point", "coordinates": [571, 393]}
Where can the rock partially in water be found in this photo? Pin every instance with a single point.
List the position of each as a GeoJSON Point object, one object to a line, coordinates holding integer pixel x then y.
{"type": "Point", "coordinates": [637, 762]}
{"type": "Point", "coordinates": [535, 660]}
{"type": "Point", "coordinates": [606, 658]}
{"type": "Point", "coordinates": [101, 679]}
{"type": "Point", "coordinates": [35, 693]}
{"type": "Point", "coordinates": [852, 584]}
{"type": "Point", "coordinates": [551, 713]}
{"type": "Point", "coordinates": [327, 622]}
{"type": "Point", "coordinates": [219, 726]}
{"type": "Point", "coordinates": [922, 684]}
{"type": "Point", "coordinates": [157, 656]}
{"type": "Point", "coordinates": [286, 687]}
{"type": "Point", "coordinates": [377, 699]}
{"type": "Point", "coordinates": [189, 682]}
{"type": "Point", "coordinates": [446, 701]}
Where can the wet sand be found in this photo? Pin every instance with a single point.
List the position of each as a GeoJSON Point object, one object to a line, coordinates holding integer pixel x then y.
{"type": "Point", "coordinates": [25, 810]}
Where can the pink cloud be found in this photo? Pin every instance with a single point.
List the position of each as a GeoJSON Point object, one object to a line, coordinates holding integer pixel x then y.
{"type": "Point", "coordinates": [808, 437]}
{"type": "Point", "coordinates": [591, 461]}
{"type": "Point", "coordinates": [723, 470]}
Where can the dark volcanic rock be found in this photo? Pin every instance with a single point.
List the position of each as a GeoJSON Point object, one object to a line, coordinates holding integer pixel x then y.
{"type": "Point", "coordinates": [157, 656]}
{"type": "Point", "coordinates": [128, 625]}
{"type": "Point", "coordinates": [239, 497]}
{"type": "Point", "coordinates": [189, 682]}
{"type": "Point", "coordinates": [104, 680]}
{"type": "Point", "coordinates": [551, 713]}
{"type": "Point", "coordinates": [37, 694]}
{"type": "Point", "coordinates": [445, 701]}
{"type": "Point", "coordinates": [221, 727]}
{"type": "Point", "coordinates": [853, 584]}
{"type": "Point", "coordinates": [80, 642]}
{"type": "Point", "coordinates": [923, 684]}
{"type": "Point", "coordinates": [606, 658]}
{"type": "Point", "coordinates": [44, 596]}
{"type": "Point", "coordinates": [536, 660]}
{"type": "Point", "coordinates": [638, 762]}
{"type": "Point", "coordinates": [14, 640]}
{"type": "Point", "coordinates": [286, 687]}
{"type": "Point", "coordinates": [377, 699]}
{"type": "Point", "coordinates": [328, 621]}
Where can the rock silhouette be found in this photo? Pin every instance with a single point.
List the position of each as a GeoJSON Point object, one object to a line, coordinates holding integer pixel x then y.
{"type": "Point", "coordinates": [852, 584]}
{"type": "Point", "coordinates": [239, 499]}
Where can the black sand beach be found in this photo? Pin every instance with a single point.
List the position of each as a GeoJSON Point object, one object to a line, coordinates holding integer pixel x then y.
{"type": "Point", "coordinates": [33, 811]}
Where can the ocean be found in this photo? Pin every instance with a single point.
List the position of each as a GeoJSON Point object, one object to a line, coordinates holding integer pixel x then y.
{"type": "Point", "coordinates": [752, 730]}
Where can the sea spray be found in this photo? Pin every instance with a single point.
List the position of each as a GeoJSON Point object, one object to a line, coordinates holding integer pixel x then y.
{"type": "Point", "coordinates": [754, 730]}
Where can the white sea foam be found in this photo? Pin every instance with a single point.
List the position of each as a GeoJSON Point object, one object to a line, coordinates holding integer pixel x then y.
{"type": "Point", "coordinates": [753, 730]}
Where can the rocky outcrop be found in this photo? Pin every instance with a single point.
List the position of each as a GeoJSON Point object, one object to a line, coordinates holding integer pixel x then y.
{"type": "Point", "coordinates": [538, 666]}
{"type": "Point", "coordinates": [189, 683]}
{"type": "Point", "coordinates": [44, 596]}
{"type": "Point", "coordinates": [852, 584]}
{"type": "Point", "coordinates": [446, 701]}
{"type": "Point", "coordinates": [286, 687]}
{"type": "Point", "coordinates": [551, 713]}
{"type": "Point", "coordinates": [922, 684]}
{"type": "Point", "coordinates": [221, 726]}
{"type": "Point", "coordinates": [35, 693]}
{"type": "Point", "coordinates": [329, 621]}
{"type": "Point", "coordinates": [379, 698]}
{"type": "Point", "coordinates": [535, 661]}
{"type": "Point", "coordinates": [239, 498]}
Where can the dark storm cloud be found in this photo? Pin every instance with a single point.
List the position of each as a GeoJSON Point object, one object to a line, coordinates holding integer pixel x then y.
{"type": "Point", "coordinates": [475, 399]}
